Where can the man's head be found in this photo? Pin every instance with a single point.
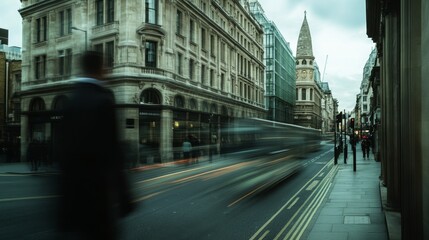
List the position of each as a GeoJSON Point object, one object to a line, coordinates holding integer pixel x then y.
{"type": "Point", "coordinates": [92, 64]}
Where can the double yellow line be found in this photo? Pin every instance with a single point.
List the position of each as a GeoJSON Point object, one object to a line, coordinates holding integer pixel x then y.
{"type": "Point", "coordinates": [307, 209]}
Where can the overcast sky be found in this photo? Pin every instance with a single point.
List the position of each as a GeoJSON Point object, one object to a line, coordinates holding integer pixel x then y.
{"type": "Point", "coordinates": [337, 29]}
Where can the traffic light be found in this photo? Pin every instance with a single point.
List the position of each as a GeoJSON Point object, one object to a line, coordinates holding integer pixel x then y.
{"type": "Point", "coordinates": [339, 117]}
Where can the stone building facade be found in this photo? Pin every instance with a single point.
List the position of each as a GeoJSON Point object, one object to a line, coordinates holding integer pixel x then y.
{"type": "Point", "coordinates": [400, 83]}
{"type": "Point", "coordinates": [177, 68]}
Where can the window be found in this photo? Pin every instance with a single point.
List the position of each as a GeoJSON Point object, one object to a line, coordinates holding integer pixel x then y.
{"type": "Point", "coordinates": [211, 77]}
{"type": "Point", "coordinates": [179, 63]}
{"type": "Point", "coordinates": [65, 23]}
{"type": "Point", "coordinates": [203, 73]}
{"type": "Point", "coordinates": [212, 45]}
{"type": "Point", "coordinates": [304, 62]}
{"type": "Point", "coordinates": [311, 94]}
{"type": "Point", "coordinates": [110, 11]}
{"type": "Point", "coordinates": [151, 8]}
{"type": "Point", "coordinates": [41, 29]}
{"type": "Point", "coordinates": [203, 38]}
{"type": "Point", "coordinates": [110, 53]}
{"type": "Point", "coordinates": [222, 52]}
{"type": "Point", "coordinates": [179, 17]}
{"type": "Point", "coordinates": [364, 98]}
{"type": "Point", "coordinates": [150, 53]}
{"type": "Point", "coordinates": [191, 30]}
{"type": "Point", "coordinates": [304, 94]}
{"type": "Point", "coordinates": [102, 7]}
{"type": "Point", "coordinates": [191, 69]}
{"type": "Point", "coordinates": [100, 12]}
{"type": "Point", "coordinates": [365, 107]}
{"type": "Point", "coordinates": [40, 67]}
{"type": "Point", "coordinates": [64, 62]}
{"type": "Point", "coordinates": [222, 82]}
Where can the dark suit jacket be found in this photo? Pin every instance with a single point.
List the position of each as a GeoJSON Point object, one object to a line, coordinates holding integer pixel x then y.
{"type": "Point", "coordinates": [93, 184]}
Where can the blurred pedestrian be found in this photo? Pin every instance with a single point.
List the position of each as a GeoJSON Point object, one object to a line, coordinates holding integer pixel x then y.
{"type": "Point", "coordinates": [186, 149]}
{"type": "Point", "coordinates": [33, 154]}
{"type": "Point", "coordinates": [365, 147]}
{"type": "Point", "coordinates": [93, 184]}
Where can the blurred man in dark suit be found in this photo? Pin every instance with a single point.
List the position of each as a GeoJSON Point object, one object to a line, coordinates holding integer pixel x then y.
{"type": "Point", "coordinates": [93, 184]}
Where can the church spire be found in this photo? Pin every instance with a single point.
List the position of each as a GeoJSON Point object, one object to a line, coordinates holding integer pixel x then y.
{"type": "Point", "coordinates": [304, 47]}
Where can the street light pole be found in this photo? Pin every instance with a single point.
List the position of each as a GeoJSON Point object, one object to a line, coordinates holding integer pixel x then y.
{"type": "Point", "coordinates": [86, 36]}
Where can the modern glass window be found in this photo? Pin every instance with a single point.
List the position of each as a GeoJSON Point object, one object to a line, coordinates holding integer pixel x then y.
{"type": "Point", "coordinates": [151, 7]}
{"type": "Point", "coordinates": [179, 19]}
{"type": "Point", "coordinates": [40, 67]}
{"type": "Point", "coordinates": [150, 53]}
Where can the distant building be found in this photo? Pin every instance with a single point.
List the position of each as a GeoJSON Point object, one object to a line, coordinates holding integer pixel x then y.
{"type": "Point", "coordinates": [328, 109]}
{"type": "Point", "coordinates": [309, 95]}
{"type": "Point", "coordinates": [10, 81]}
{"type": "Point", "coordinates": [12, 52]}
{"type": "Point", "coordinates": [176, 68]}
{"type": "Point", "coordinates": [280, 76]}
{"type": "Point", "coordinates": [365, 96]}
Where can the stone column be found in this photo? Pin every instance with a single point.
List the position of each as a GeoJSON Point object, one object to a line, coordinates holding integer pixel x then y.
{"type": "Point", "coordinates": [24, 137]}
{"type": "Point", "coordinates": [166, 140]}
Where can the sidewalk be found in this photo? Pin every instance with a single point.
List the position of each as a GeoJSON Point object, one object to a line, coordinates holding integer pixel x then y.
{"type": "Point", "coordinates": [24, 168]}
{"type": "Point", "coordinates": [353, 209]}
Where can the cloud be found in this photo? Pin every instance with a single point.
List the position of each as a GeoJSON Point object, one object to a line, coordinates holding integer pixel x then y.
{"type": "Point", "coordinates": [338, 31]}
{"type": "Point", "coordinates": [11, 20]}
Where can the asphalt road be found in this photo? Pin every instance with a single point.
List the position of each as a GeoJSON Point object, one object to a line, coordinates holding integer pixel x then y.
{"type": "Point", "coordinates": [270, 197]}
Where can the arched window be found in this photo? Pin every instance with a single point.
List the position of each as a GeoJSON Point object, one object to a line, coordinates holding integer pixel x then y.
{"type": "Point", "coordinates": [150, 96]}
{"type": "Point", "coordinates": [37, 104]}
{"type": "Point", "coordinates": [297, 62]}
{"type": "Point", "coordinates": [179, 101]}
{"type": "Point", "coordinates": [304, 62]}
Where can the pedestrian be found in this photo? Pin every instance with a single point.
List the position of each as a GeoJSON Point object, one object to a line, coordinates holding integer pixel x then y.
{"type": "Point", "coordinates": [186, 149]}
{"type": "Point", "coordinates": [33, 154]}
{"type": "Point", "coordinates": [365, 148]}
{"type": "Point", "coordinates": [93, 185]}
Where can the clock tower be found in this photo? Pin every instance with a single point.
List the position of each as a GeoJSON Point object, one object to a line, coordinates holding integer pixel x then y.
{"type": "Point", "coordinates": [308, 90]}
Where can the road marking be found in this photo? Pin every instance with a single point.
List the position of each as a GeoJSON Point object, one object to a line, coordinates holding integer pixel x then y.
{"type": "Point", "coordinates": [312, 185]}
{"type": "Point", "coordinates": [169, 175]}
{"type": "Point", "coordinates": [147, 196]}
{"type": "Point", "coordinates": [286, 204]}
{"type": "Point", "coordinates": [321, 175]}
{"type": "Point", "coordinates": [309, 199]}
{"type": "Point", "coordinates": [28, 198]}
{"type": "Point", "coordinates": [293, 203]}
{"type": "Point", "coordinates": [264, 235]}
